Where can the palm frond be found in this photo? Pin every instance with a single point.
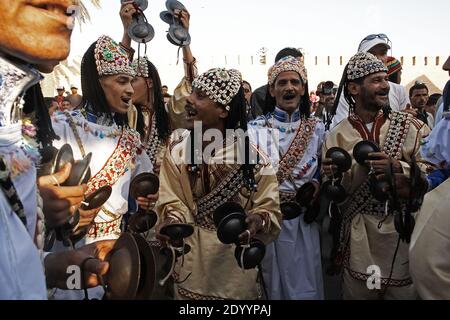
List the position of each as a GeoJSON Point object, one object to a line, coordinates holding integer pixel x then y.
{"type": "Point", "coordinates": [83, 13]}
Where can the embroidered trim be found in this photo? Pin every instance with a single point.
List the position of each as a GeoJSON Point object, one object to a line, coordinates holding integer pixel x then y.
{"type": "Point", "coordinates": [223, 192]}
{"type": "Point", "coordinates": [384, 281]}
{"type": "Point", "coordinates": [195, 296]}
{"type": "Point", "coordinates": [362, 201]}
{"type": "Point", "coordinates": [396, 136]}
{"type": "Point", "coordinates": [287, 196]}
{"type": "Point", "coordinates": [110, 213]}
{"type": "Point", "coordinates": [154, 144]}
{"type": "Point", "coordinates": [118, 163]}
{"type": "Point", "coordinates": [359, 126]}
{"type": "Point", "coordinates": [296, 149]}
{"type": "Point", "coordinates": [104, 229]}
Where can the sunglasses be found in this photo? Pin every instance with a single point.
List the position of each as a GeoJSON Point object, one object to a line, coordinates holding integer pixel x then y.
{"type": "Point", "coordinates": [374, 36]}
{"type": "Point", "coordinates": [382, 36]}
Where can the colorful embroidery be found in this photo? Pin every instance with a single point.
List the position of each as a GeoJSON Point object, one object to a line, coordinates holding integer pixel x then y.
{"type": "Point", "coordinates": [154, 144]}
{"type": "Point", "coordinates": [296, 149]}
{"type": "Point", "coordinates": [104, 229]}
{"type": "Point", "coordinates": [226, 190]}
{"type": "Point", "coordinates": [362, 201]}
{"type": "Point", "coordinates": [304, 170]}
{"type": "Point", "coordinates": [118, 163]}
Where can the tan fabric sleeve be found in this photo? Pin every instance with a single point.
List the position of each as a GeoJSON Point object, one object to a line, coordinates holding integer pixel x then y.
{"type": "Point", "coordinates": [178, 99]}
{"type": "Point", "coordinates": [266, 202]}
{"type": "Point", "coordinates": [170, 202]}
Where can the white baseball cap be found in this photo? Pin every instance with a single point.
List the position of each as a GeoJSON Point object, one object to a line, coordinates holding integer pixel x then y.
{"type": "Point", "coordinates": [60, 87]}
{"type": "Point", "coordinates": [372, 40]}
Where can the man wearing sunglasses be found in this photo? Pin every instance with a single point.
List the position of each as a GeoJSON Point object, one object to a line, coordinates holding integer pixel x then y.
{"type": "Point", "coordinates": [378, 45]}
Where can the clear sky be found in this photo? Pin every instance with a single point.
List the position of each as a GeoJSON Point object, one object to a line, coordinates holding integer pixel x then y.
{"type": "Point", "coordinates": [320, 27]}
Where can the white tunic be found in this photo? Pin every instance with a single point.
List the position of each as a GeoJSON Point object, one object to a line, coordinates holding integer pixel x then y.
{"type": "Point", "coordinates": [102, 147]}
{"type": "Point", "coordinates": [21, 271]}
{"type": "Point", "coordinates": [292, 265]}
{"type": "Point", "coordinates": [435, 147]}
{"type": "Point", "coordinates": [102, 141]}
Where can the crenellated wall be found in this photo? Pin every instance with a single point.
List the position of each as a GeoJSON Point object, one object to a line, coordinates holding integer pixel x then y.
{"type": "Point", "coordinates": [320, 68]}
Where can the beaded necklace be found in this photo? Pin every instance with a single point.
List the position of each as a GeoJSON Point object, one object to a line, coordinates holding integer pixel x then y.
{"type": "Point", "coordinates": [154, 144]}
{"type": "Point", "coordinates": [115, 131]}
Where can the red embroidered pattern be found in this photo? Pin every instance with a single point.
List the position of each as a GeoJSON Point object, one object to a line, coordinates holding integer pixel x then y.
{"type": "Point", "coordinates": [296, 149]}
{"type": "Point", "coordinates": [359, 126]}
{"type": "Point", "coordinates": [103, 229]}
{"type": "Point", "coordinates": [117, 164]}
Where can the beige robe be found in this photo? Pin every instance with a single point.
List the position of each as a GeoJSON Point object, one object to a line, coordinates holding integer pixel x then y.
{"type": "Point", "coordinates": [215, 271]}
{"type": "Point", "coordinates": [175, 107]}
{"type": "Point", "coordinates": [430, 245]}
{"type": "Point", "coordinates": [369, 245]}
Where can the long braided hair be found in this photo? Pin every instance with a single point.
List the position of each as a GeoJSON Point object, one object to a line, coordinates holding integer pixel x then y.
{"type": "Point", "coordinates": [162, 118]}
{"type": "Point", "coordinates": [34, 103]}
{"type": "Point", "coordinates": [93, 94]}
{"type": "Point", "coordinates": [237, 119]}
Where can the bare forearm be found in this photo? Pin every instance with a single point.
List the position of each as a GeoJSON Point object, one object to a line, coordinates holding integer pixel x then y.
{"type": "Point", "coordinates": [187, 54]}
{"type": "Point", "coordinates": [126, 40]}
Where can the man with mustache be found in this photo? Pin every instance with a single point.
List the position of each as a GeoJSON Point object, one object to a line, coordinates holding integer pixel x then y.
{"type": "Point", "coordinates": [369, 248]}
{"type": "Point", "coordinates": [293, 139]}
{"type": "Point", "coordinates": [34, 37]}
{"type": "Point", "coordinates": [418, 94]}
{"type": "Point", "coordinates": [378, 45]}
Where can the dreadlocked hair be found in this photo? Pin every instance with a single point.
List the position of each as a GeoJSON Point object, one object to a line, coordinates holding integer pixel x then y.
{"type": "Point", "coordinates": [305, 103]}
{"type": "Point", "coordinates": [93, 95]}
{"type": "Point", "coordinates": [348, 97]}
{"type": "Point", "coordinates": [35, 103]}
{"type": "Point", "coordinates": [351, 101]}
{"type": "Point", "coordinates": [237, 119]}
{"type": "Point", "coordinates": [162, 118]}
{"type": "Point", "coordinates": [337, 98]}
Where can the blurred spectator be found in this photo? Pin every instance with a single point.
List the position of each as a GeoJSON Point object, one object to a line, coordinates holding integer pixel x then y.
{"type": "Point", "coordinates": [327, 94]}
{"type": "Point", "coordinates": [432, 103]}
{"type": "Point", "coordinates": [74, 98]}
{"type": "Point", "coordinates": [60, 97]}
{"type": "Point", "coordinates": [394, 70]}
{"type": "Point", "coordinates": [66, 104]}
{"type": "Point", "coordinates": [251, 114]}
{"type": "Point", "coordinates": [418, 95]}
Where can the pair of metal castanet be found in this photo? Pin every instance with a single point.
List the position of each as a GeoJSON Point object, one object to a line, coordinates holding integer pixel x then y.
{"type": "Point", "coordinates": [142, 32]}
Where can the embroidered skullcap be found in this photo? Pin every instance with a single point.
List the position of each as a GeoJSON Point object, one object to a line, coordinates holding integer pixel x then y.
{"type": "Point", "coordinates": [362, 64]}
{"type": "Point", "coordinates": [288, 63]}
{"type": "Point", "coordinates": [140, 67]}
{"type": "Point", "coordinates": [220, 85]}
{"type": "Point", "coordinates": [111, 59]}
{"type": "Point", "coordinates": [393, 65]}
